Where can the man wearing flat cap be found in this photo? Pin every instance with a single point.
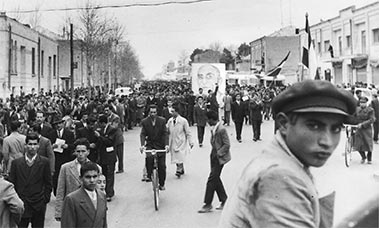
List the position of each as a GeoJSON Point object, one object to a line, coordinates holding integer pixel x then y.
{"type": "Point", "coordinates": [276, 188]}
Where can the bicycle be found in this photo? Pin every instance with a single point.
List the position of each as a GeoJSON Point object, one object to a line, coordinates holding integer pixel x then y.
{"type": "Point", "coordinates": [154, 175]}
{"type": "Point", "coordinates": [350, 141]}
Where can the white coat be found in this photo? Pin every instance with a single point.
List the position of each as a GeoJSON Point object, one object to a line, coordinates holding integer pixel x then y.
{"type": "Point", "coordinates": [180, 139]}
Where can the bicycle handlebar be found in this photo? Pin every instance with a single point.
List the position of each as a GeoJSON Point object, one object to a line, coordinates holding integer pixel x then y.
{"type": "Point", "coordinates": [154, 151]}
{"type": "Point", "coordinates": [351, 125]}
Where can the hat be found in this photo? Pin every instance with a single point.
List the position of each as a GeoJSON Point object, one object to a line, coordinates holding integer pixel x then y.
{"type": "Point", "coordinates": [315, 96]}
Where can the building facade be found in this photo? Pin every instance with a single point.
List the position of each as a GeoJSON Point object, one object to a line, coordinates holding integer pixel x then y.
{"type": "Point", "coordinates": [268, 51]}
{"type": "Point", "coordinates": [347, 46]}
{"type": "Point", "coordinates": [32, 61]}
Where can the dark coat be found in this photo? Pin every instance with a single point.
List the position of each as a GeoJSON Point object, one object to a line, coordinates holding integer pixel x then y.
{"type": "Point", "coordinates": [67, 155]}
{"type": "Point", "coordinates": [200, 115]}
{"type": "Point", "coordinates": [47, 131]}
{"type": "Point", "coordinates": [363, 137]}
{"type": "Point", "coordinates": [255, 110]}
{"type": "Point", "coordinates": [156, 137]}
{"type": "Point", "coordinates": [33, 184]}
{"type": "Point", "coordinates": [166, 114]}
{"type": "Point", "coordinates": [106, 140]}
{"type": "Point", "coordinates": [46, 150]}
{"type": "Point", "coordinates": [79, 211]}
{"type": "Point", "coordinates": [238, 111]}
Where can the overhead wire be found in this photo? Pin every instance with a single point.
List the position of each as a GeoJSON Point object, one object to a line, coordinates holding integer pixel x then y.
{"type": "Point", "coordinates": [112, 6]}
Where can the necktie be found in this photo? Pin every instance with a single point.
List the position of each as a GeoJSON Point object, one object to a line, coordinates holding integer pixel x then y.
{"type": "Point", "coordinates": [174, 121]}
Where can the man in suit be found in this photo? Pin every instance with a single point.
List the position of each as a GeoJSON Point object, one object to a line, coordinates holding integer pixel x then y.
{"type": "Point", "coordinates": [46, 128]}
{"type": "Point", "coordinates": [227, 107]}
{"type": "Point", "coordinates": [106, 135]}
{"type": "Point", "coordinates": [115, 123]}
{"type": "Point", "coordinates": [65, 155]}
{"type": "Point", "coordinates": [276, 188]}
{"type": "Point", "coordinates": [200, 119]}
{"type": "Point", "coordinates": [11, 206]}
{"type": "Point", "coordinates": [45, 149]}
{"type": "Point", "coordinates": [13, 145]}
{"type": "Point", "coordinates": [31, 177]}
{"type": "Point", "coordinates": [220, 155]}
{"type": "Point", "coordinates": [238, 114]}
{"type": "Point", "coordinates": [85, 207]}
{"type": "Point", "coordinates": [154, 136]}
{"type": "Point", "coordinates": [69, 176]}
{"type": "Point", "coordinates": [375, 106]}
{"type": "Point", "coordinates": [88, 132]}
{"type": "Point", "coordinates": [255, 109]}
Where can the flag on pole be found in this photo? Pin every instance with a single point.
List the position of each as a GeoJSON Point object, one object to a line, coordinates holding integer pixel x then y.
{"type": "Point", "coordinates": [275, 72]}
{"type": "Point", "coordinates": [309, 58]}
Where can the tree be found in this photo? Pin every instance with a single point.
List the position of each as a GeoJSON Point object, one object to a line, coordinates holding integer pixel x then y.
{"type": "Point", "coordinates": [195, 52]}
{"type": "Point", "coordinates": [244, 50]}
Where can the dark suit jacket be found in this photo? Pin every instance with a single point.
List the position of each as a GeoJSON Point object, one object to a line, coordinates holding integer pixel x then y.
{"type": "Point", "coordinates": [255, 110]}
{"type": "Point", "coordinates": [79, 211]}
{"type": "Point", "coordinates": [156, 137]}
{"type": "Point", "coordinates": [221, 145]}
{"type": "Point", "coordinates": [238, 111]}
{"type": "Point", "coordinates": [375, 106]}
{"type": "Point", "coordinates": [33, 184]}
{"type": "Point", "coordinates": [47, 131]}
{"type": "Point", "coordinates": [106, 140]}
{"type": "Point", "coordinates": [67, 155]}
{"type": "Point", "coordinates": [166, 114]}
{"type": "Point", "coordinates": [200, 115]}
{"type": "Point", "coordinates": [90, 136]}
{"type": "Point", "coordinates": [46, 150]}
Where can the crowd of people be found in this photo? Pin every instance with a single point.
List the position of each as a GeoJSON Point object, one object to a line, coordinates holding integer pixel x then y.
{"type": "Point", "coordinates": [51, 143]}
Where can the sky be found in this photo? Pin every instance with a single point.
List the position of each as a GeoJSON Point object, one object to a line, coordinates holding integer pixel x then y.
{"type": "Point", "coordinates": [162, 33]}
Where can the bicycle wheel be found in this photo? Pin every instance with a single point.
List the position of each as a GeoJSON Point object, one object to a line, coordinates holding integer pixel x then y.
{"type": "Point", "coordinates": [155, 182]}
{"type": "Point", "coordinates": [348, 149]}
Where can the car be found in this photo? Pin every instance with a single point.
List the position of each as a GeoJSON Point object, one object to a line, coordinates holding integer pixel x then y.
{"type": "Point", "coordinates": [126, 91]}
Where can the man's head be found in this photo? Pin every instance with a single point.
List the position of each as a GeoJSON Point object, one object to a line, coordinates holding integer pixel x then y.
{"type": "Point", "coordinates": [363, 102]}
{"type": "Point", "coordinates": [212, 117]}
{"type": "Point", "coordinates": [153, 111]}
{"type": "Point", "coordinates": [15, 125]}
{"type": "Point", "coordinates": [175, 110]}
{"type": "Point", "coordinates": [35, 128]}
{"type": "Point", "coordinates": [108, 110]}
{"type": "Point", "coordinates": [40, 118]}
{"type": "Point", "coordinates": [81, 149]}
{"type": "Point", "coordinates": [89, 175]}
{"type": "Point", "coordinates": [32, 144]}
{"type": "Point", "coordinates": [101, 183]}
{"type": "Point", "coordinates": [200, 100]}
{"type": "Point", "coordinates": [208, 76]}
{"type": "Point", "coordinates": [91, 122]}
{"type": "Point", "coordinates": [310, 115]}
{"type": "Point", "coordinates": [103, 120]}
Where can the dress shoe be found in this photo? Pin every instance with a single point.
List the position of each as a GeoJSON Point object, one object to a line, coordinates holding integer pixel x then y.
{"type": "Point", "coordinates": [148, 179]}
{"type": "Point", "coordinates": [369, 162]}
{"type": "Point", "coordinates": [239, 140]}
{"type": "Point", "coordinates": [162, 188]}
{"type": "Point", "coordinates": [206, 208]}
{"type": "Point", "coordinates": [120, 171]}
{"type": "Point", "coordinates": [200, 145]}
{"type": "Point", "coordinates": [143, 178]}
{"type": "Point", "coordinates": [109, 199]}
{"type": "Point", "coordinates": [254, 140]}
{"type": "Point", "coordinates": [177, 174]}
{"type": "Point", "coordinates": [222, 204]}
{"type": "Point", "coordinates": [363, 161]}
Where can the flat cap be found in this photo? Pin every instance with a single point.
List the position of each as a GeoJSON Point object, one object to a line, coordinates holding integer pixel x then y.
{"type": "Point", "coordinates": [315, 96]}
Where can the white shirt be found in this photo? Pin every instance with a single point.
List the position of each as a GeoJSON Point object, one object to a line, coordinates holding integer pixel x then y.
{"type": "Point", "coordinates": [30, 160]}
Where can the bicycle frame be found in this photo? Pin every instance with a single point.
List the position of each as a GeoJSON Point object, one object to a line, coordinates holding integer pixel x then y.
{"type": "Point", "coordinates": [155, 177]}
{"type": "Point", "coordinates": [350, 133]}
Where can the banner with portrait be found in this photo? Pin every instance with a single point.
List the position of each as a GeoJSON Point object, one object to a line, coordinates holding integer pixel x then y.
{"type": "Point", "coordinates": [206, 75]}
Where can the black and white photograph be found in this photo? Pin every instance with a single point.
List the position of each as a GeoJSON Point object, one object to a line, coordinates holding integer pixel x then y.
{"type": "Point", "coordinates": [189, 113]}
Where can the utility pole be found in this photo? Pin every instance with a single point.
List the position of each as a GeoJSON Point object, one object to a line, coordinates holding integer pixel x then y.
{"type": "Point", "coordinates": [72, 61]}
{"type": "Point", "coordinates": [110, 69]}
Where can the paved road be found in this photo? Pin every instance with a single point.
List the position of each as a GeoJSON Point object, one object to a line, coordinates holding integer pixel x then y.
{"type": "Point", "coordinates": [133, 203]}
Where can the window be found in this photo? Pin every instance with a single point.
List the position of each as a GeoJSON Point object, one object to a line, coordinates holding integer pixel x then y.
{"type": "Point", "coordinates": [49, 67]}
{"type": "Point", "coordinates": [319, 47]}
{"type": "Point", "coordinates": [340, 45]}
{"type": "Point", "coordinates": [33, 61]}
{"type": "Point", "coordinates": [363, 41]}
{"type": "Point", "coordinates": [42, 62]}
{"type": "Point", "coordinates": [326, 45]}
{"type": "Point", "coordinates": [22, 59]}
{"type": "Point", "coordinates": [375, 33]}
{"type": "Point", "coordinates": [348, 41]}
{"type": "Point", "coordinates": [13, 63]}
{"type": "Point", "coordinates": [54, 66]}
